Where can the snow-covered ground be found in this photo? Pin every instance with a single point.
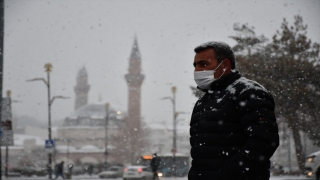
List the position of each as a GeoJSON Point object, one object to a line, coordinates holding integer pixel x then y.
{"type": "Point", "coordinates": [87, 177]}
{"type": "Point", "coordinates": [82, 177]}
{"type": "Point", "coordinates": [289, 178]}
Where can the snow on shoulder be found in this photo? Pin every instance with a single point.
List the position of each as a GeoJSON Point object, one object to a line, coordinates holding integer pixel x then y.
{"type": "Point", "coordinates": [249, 84]}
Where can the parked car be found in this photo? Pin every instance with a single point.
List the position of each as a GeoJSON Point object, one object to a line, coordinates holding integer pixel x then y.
{"type": "Point", "coordinates": [14, 174]}
{"type": "Point", "coordinates": [137, 172]}
{"type": "Point", "coordinates": [29, 171]}
{"type": "Point", "coordinates": [312, 165]}
{"type": "Point", "coordinates": [112, 172]}
{"type": "Point", "coordinates": [77, 170]}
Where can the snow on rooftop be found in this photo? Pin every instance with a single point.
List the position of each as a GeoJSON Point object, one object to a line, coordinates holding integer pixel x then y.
{"type": "Point", "coordinates": [65, 148]}
{"type": "Point", "coordinates": [73, 117]}
{"type": "Point", "coordinates": [89, 147]}
{"type": "Point", "coordinates": [83, 149]}
{"type": "Point", "coordinates": [97, 109]}
{"type": "Point", "coordinates": [181, 126]}
{"type": "Point", "coordinates": [97, 117]}
{"type": "Point", "coordinates": [157, 126]}
{"type": "Point", "coordinates": [13, 147]}
{"type": "Point", "coordinates": [18, 139]}
{"type": "Point", "coordinates": [82, 127]}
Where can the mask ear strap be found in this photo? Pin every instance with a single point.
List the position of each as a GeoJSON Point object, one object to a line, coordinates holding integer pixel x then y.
{"type": "Point", "coordinates": [224, 70]}
{"type": "Point", "coordinates": [218, 66]}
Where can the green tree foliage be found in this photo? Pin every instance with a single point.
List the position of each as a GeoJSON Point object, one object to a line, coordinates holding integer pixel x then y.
{"type": "Point", "coordinates": [289, 67]}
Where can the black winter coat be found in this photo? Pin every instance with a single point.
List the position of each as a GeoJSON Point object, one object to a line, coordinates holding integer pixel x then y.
{"type": "Point", "coordinates": [233, 131]}
{"type": "Point", "coordinates": [155, 162]}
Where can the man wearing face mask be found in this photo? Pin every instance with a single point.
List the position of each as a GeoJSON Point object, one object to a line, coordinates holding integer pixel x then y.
{"type": "Point", "coordinates": [233, 127]}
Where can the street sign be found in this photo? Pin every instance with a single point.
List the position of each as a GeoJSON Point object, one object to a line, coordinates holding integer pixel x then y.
{"type": "Point", "coordinates": [7, 138]}
{"type": "Point", "coordinates": [49, 144]}
{"type": "Point", "coordinates": [6, 123]}
{"type": "Point", "coordinates": [6, 109]}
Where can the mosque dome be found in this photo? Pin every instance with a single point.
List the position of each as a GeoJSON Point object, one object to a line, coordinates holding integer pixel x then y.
{"type": "Point", "coordinates": [94, 115]}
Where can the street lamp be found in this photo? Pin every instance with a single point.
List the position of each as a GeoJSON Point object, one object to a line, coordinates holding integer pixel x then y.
{"type": "Point", "coordinates": [48, 68]}
{"type": "Point", "coordinates": [58, 97]}
{"type": "Point", "coordinates": [106, 135]}
{"type": "Point", "coordinates": [175, 115]}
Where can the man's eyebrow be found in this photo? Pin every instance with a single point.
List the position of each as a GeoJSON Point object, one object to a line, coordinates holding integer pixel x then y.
{"type": "Point", "coordinates": [200, 61]}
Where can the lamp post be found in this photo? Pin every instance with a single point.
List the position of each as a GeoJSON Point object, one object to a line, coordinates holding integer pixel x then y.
{"type": "Point", "coordinates": [7, 159]}
{"type": "Point", "coordinates": [174, 137]}
{"type": "Point", "coordinates": [106, 135]}
{"type": "Point", "coordinates": [1, 66]}
{"type": "Point", "coordinates": [174, 147]}
{"type": "Point", "coordinates": [48, 68]}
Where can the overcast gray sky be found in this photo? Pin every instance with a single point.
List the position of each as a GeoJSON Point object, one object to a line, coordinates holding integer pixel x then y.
{"type": "Point", "coordinates": [99, 35]}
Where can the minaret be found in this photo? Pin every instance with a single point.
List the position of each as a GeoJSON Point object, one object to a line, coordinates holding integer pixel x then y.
{"type": "Point", "coordinates": [134, 80]}
{"type": "Point", "coordinates": [81, 89]}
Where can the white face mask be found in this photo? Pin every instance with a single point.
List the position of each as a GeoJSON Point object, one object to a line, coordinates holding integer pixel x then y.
{"type": "Point", "coordinates": [205, 78]}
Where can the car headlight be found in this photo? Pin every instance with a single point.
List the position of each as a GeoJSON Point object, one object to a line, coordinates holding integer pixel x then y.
{"type": "Point", "coordinates": [310, 159]}
{"type": "Point", "coordinates": [160, 174]}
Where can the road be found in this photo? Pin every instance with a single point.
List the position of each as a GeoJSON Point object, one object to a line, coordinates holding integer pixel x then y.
{"type": "Point", "coordinates": [86, 177]}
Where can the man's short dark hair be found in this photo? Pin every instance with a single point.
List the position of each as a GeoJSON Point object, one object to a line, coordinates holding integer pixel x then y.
{"type": "Point", "coordinates": [222, 50]}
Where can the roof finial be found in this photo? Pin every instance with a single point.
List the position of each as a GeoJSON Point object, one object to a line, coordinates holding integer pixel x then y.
{"type": "Point", "coordinates": [135, 54]}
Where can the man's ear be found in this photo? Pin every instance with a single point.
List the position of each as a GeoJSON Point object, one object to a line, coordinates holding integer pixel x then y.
{"type": "Point", "coordinates": [226, 64]}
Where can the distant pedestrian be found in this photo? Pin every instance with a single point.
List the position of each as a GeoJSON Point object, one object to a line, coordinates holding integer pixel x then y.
{"type": "Point", "coordinates": [155, 163]}
{"type": "Point", "coordinates": [55, 170]}
{"type": "Point", "coordinates": [90, 169]}
{"type": "Point", "coordinates": [70, 167]}
{"type": "Point", "coordinates": [49, 170]}
{"type": "Point", "coordinates": [59, 170]}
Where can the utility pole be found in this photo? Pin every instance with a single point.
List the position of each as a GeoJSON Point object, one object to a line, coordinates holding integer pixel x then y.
{"type": "Point", "coordinates": [106, 136]}
{"type": "Point", "coordinates": [174, 137]}
{"type": "Point", "coordinates": [174, 129]}
{"type": "Point", "coordinates": [174, 145]}
{"type": "Point", "coordinates": [48, 68]}
{"type": "Point", "coordinates": [1, 68]}
{"type": "Point", "coordinates": [7, 153]}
